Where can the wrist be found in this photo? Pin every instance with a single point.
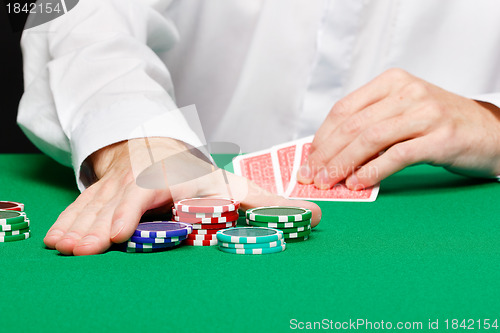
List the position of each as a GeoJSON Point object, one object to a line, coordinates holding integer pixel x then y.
{"type": "Point", "coordinates": [137, 154]}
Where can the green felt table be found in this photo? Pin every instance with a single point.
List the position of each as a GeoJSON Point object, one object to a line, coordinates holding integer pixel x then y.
{"type": "Point", "coordinates": [427, 248]}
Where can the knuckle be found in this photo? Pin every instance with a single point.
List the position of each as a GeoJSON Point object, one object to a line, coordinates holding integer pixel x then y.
{"type": "Point", "coordinates": [449, 133]}
{"type": "Point", "coordinates": [340, 109]}
{"type": "Point", "coordinates": [373, 136]}
{"type": "Point", "coordinates": [415, 90]}
{"type": "Point", "coordinates": [396, 74]}
{"type": "Point", "coordinates": [351, 126]}
{"type": "Point", "coordinates": [435, 110]}
{"type": "Point", "coordinates": [401, 154]}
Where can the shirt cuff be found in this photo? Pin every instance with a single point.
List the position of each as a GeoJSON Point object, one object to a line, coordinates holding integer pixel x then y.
{"type": "Point", "coordinates": [121, 121]}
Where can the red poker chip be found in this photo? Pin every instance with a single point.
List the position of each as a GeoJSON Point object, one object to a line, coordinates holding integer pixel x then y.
{"type": "Point", "coordinates": [208, 220]}
{"type": "Point", "coordinates": [197, 226]}
{"type": "Point", "coordinates": [202, 215]}
{"type": "Point", "coordinates": [204, 231]}
{"type": "Point", "coordinates": [11, 205]}
{"type": "Point", "coordinates": [202, 237]}
{"type": "Point", "coordinates": [201, 242]}
{"type": "Point", "coordinates": [206, 205]}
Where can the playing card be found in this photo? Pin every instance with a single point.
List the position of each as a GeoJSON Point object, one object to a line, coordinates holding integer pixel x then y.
{"type": "Point", "coordinates": [257, 167]}
{"type": "Point", "coordinates": [283, 158]}
{"type": "Point", "coordinates": [338, 192]}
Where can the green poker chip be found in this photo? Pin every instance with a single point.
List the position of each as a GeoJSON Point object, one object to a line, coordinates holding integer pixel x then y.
{"type": "Point", "coordinates": [278, 214]}
{"type": "Point", "coordinates": [17, 226]}
{"type": "Point", "coordinates": [296, 234]}
{"type": "Point", "coordinates": [14, 238]}
{"type": "Point", "coordinates": [8, 217]}
{"type": "Point", "coordinates": [14, 232]}
{"type": "Point", "coordinates": [296, 230]}
{"type": "Point", "coordinates": [279, 225]}
{"type": "Point", "coordinates": [297, 240]}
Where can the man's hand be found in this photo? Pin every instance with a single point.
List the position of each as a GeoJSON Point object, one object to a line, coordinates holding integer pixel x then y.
{"type": "Point", "coordinates": [109, 210]}
{"type": "Point", "coordinates": [398, 120]}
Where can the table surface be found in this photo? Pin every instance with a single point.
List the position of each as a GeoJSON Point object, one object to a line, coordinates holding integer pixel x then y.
{"type": "Point", "coordinates": [427, 248]}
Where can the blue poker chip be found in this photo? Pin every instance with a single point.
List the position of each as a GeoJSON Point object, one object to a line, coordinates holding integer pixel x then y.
{"type": "Point", "coordinates": [162, 229]}
{"type": "Point", "coordinates": [151, 249]}
{"type": "Point", "coordinates": [147, 240]}
{"type": "Point", "coordinates": [134, 245]}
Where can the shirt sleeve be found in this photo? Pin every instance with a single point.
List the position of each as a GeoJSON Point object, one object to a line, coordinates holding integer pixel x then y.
{"type": "Point", "coordinates": [93, 76]}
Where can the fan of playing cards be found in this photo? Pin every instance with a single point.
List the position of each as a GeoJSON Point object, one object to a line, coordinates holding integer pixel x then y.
{"type": "Point", "coordinates": [275, 170]}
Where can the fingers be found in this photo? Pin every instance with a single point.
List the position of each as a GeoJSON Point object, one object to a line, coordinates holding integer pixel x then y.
{"type": "Point", "coordinates": [393, 160]}
{"type": "Point", "coordinates": [258, 197]}
{"type": "Point", "coordinates": [67, 217]}
{"type": "Point", "coordinates": [374, 91]}
{"type": "Point", "coordinates": [135, 202]}
{"type": "Point", "coordinates": [89, 229]}
{"type": "Point", "coordinates": [393, 108]}
{"type": "Point", "coordinates": [371, 141]}
{"type": "Point", "coordinates": [345, 134]}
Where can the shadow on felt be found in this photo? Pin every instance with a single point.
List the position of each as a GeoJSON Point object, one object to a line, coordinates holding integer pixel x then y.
{"type": "Point", "coordinates": [48, 171]}
{"type": "Point", "coordinates": [430, 181]}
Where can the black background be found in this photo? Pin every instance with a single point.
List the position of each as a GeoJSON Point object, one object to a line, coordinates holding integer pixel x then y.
{"type": "Point", "coordinates": [12, 139]}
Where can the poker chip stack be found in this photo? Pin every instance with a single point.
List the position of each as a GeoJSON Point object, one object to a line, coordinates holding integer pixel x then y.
{"type": "Point", "coordinates": [207, 216]}
{"type": "Point", "coordinates": [294, 222]}
{"type": "Point", "coordinates": [251, 240]}
{"type": "Point", "coordinates": [158, 236]}
{"type": "Point", "coordinates": [14, 224]}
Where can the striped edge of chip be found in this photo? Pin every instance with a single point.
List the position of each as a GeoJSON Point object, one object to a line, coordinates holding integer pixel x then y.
{"type": "Point", "coordinates": [295, 214]}
{"type": "Point", "coordinates": [202, 215]}
{"type": "Point", "coordinates": [14, 232]}
{"type": "Point", "coordinates": [297, 234]}
{"type": "Point", "coordinates": [16, 226]}
{"type": "Point", "coordinates": [135, 245]}
{"type": "Point", "coordinates": [207, 220]}
{"type": "Point", "coordinates": [204, 231]}
{"type": "Point", "coordinates": [249, 235]}
{"type": "Point", "coordinates": [201, 242]}
{"type": "Point", "coordinates": [197, 226]}
{"type": "Point", "coordinates": [161, 229]}
{"type": "Point", "coordinates": [278, 225]}
{"type": "Point", "coordinates": [14, 238]}
{"type": "Point", "coordinates": [269, 250]}
{"type": "Point", "coordinates": [206, 205]}
{"type": "Point", "coordinates": [202, 237]}
{"type": "Point", "coordinates": [252, 246]}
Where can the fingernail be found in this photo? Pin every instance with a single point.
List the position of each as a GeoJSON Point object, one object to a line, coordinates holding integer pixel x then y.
{"type": "Point", "coordinates": [54, 232]}
{"type": "Point", "coordinates": [359, 187]}
{"type": "Point", "coordinates": [88, 240]}
{"type": "Point", "coordinates": [305, 171]}
{"type": "Point", "coordinates": [118, 226]}
{"type": "Point", "coordinates": [322, 178]}
{"type": "Point", "coordinates": [72, 235]}
{"type": "Point", "coordinates": [351, 182]}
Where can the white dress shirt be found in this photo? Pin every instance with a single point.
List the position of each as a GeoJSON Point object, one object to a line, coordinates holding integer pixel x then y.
{"type": "Point", "coordinates": [259, 72]}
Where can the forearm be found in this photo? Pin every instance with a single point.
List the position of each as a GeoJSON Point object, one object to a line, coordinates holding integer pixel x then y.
{"type": "Point", "coordinates": [93, 78]}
